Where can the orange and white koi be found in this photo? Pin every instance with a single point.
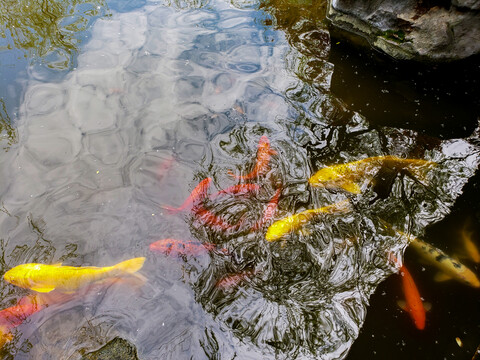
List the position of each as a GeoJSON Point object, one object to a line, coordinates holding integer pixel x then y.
{"type": "Point", "coordinates": [196, 196]}
{"type": "Point", "coordinates": [351, 176]}
{"type": "Point", "coordinates": [264, 153]}
{"type": "Point", "coordinates": [239, 189]}
{"type": "Point", "coordinates": [269, 211]}
{"type": "Point", "coordinates": [177, 247]}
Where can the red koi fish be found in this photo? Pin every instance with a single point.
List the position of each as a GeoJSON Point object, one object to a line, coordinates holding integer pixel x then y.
{"type": "Point", "coordinates": [414, 304]}
{"type": "Point", "coordinates": [233, 280]}
{"type": "Point", "coordinates": [214, 221]}
{"type": "Point", "coordinates": [176, 247]}
{"type": "Point", "coordinates": [196, 196]}
{"type": "Point", "coordinates": [165, 166]}
{"type": "Point", "coordinates": [239, 189]}
{"type": "Point", "coordinates": [269, 211]}
{"type": "Point", "coordinates": [264, 153]}
{"type": "Point", "coordinates": [13, 316]}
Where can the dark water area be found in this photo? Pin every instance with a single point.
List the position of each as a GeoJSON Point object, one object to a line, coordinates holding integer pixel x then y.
{"type": "Point", "coordinates": [111, 114]}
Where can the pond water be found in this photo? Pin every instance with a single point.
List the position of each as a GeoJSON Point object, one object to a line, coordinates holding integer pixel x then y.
{"type": "Point", "coordinates": [114, 111]}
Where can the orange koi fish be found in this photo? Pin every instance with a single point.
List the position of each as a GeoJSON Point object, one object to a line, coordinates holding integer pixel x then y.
{"type": "Point", "coordinates": [269, 211]}
{"type": "Point", "coordinates": [233, 280]}
{"type": "Point", "coordinates": [196, 196]}
{"type": "Point", "coordinates": [414, 304]}
{"type": "Point", "coordinates": [264, 153]}
{"type": "Point", "coordinates": [176, 247]}
{"type": "Point", "coordinates": [239, 189]}
{"type": "Point", "coordinates": [13, 316]}
{"type": "Point", "coordinates": [214, 221]}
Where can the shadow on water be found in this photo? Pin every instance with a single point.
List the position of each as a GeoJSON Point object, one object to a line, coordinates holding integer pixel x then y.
{"type": "Point", "coordinates": [166, 95]}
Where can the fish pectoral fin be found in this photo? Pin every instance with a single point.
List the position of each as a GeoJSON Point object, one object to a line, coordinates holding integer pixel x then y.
{"type": "Point", "coordinates": [352, 187]}
{"type": "Point", "coordinates": [439, 277]}
{"type": "Point", "coordinates": [43, 289]}
{"type": "Point", "coordinates": [427, 306]}
{"type": "Point", "coordinates": [57, 264]}
{"type": "Point", "coordinates": [402, 305]}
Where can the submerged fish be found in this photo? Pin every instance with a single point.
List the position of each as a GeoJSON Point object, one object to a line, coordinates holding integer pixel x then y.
{"type": "Point", "coordinates": [269, 211]}
{"type": "Point", "coordinates": [414, 305]}
{"type": "Point", "coordinates": [471, 249]}
{"type": "Point", "coordinates": [13, 316]}
{"type": "Point", "coordinates": [294, 222]}
{"type": "Point", "coordinates": [196, 196]}
{"type": "Point", "coordinates": [231, 281]}
{"type": "Point", "coordinates": [351, 176]}
{"type": "Point", "coordinates": [214, 221]}
{"type": "Point", "coordinates": [176, 247]}
{"type": "Point", "coordinates": [239, 189]}
{"type": "Point", "coordinates": [45, 278]}
{"type": "Point", "coordinates": [264, 153]}
{"type": "Point", "coordinates": [450, 268]}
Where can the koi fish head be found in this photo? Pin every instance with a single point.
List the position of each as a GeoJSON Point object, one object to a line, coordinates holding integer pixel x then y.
{"type": "Point", "coordinates": [164, 246]}
{"type": "Point", "coordinates": [19, 275]}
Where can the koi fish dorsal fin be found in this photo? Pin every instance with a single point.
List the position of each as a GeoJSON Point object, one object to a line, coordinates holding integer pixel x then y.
{"type": "Point", "coordinates": [43, 289]}
{"type": "Point", "coordinates": [130, 266]}
{"type": "Point", "coordinates": [352, 187]}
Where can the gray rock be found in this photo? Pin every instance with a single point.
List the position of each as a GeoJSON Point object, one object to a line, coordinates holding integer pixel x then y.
{"type": "Point", "coordinates": [408, 30]}
{"type": "Point", "coordinates": [116, 349]}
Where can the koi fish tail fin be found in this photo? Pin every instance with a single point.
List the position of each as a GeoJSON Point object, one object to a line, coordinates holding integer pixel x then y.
{"type": "Point", "coordinates": [419, 171]}
{"type": "Point", "coordinates": [170, 209]}
{"type": "Point", "coordinates": [130, 266]}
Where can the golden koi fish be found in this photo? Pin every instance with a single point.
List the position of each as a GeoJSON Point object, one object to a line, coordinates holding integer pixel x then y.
{"type": "Point", "coordinates": [351, 176]}
{"type": "Point", "coordinates": [294, 222]}
{"type": "Point", "coordinates": [45, 278]}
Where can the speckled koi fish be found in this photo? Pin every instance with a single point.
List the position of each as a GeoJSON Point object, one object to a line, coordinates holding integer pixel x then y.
{"type": "Point", "coordinates": [45, 278]}
{"type": "Point", "coordinates": [264, 153]}
{"type": "Point", "coordinates": [351, 176]}
{"type": "Point", "coordinates": [176, 247]}
{"type": "Point", "coordinates": [294, 222]}
{"type": "Point", "coordinates": [449, 267]}
{"type": "Point", "coordinates": [196, 196]}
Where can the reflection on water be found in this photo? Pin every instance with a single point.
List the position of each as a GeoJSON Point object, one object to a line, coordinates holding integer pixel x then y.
{"type": "Point", "coordinates": [162, 98]}
{"type": "Point", "coordinates": [7, 131]}
{"type": "Point", "coordinates": [49, 30]}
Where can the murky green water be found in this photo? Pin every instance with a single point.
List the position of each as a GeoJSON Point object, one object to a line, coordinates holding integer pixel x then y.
{"type": "Point", "coordinates": [113, 110]}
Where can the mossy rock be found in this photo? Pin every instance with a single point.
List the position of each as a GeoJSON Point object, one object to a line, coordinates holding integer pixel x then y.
{"type": "Point", "coordinates": [116, 349]}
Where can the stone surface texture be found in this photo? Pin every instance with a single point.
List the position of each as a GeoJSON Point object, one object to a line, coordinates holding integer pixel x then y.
{"type": "Point", "coordinates": [434, 31]}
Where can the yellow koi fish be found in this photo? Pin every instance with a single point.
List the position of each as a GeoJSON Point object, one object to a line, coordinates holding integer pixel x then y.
{"type": "Point", "coordinates": [45, 278]}
{"type": "Point", "coordinates": [351, 176]}
{"type": "Point", "coordinates": [294, 222]}
{"type": "Point", "coordinates": [450, 268]}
